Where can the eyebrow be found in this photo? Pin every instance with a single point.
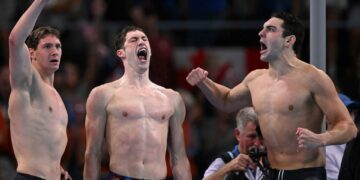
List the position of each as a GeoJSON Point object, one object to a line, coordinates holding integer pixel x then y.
{"type": "Point", "coordinates": [136, 36]}
{"type": "Point", "coordinates": [270, 26]}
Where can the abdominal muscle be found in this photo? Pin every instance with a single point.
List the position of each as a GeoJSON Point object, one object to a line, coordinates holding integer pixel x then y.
{"type": "Point", "coordinates": [38, 150]}
{"type": "Point", "coordinates": [282, 146]}
{"type": "Point", "coordinates": [137, 148]}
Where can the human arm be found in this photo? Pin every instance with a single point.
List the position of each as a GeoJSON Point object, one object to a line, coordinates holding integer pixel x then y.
{"type": "Point", "coordinates": [176, 146]}
{"type": "Point", "coordinates": [218, 170]}
{"type": "Point", "coordinates": [341, 127]}
{"type": "Point", "coordinates": [220, 96]}
{"type": "Point", "coordinates": [95, 129]}
{"type": "Point", "coordinates": [19, 56]}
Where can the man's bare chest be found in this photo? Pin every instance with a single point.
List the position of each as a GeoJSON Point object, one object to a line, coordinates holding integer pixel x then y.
{"type": "Point", "coordinates": [49, 103]}
{"type": "Point", "coordinates": [280, 96]}
{"type": "Point", "coordinates": [136, 106]}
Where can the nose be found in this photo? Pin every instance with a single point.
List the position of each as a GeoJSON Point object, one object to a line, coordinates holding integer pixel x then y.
{"type": "Point", "coordinates": [261, 33]}
{"type": "Point", "coordinates": [55, 51]}
{"type": "Point", "coordinates": [257, 141]}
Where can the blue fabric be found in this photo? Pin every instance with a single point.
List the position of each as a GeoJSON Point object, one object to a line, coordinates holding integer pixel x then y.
{"type": "Point", "coordinates": [235, 151]}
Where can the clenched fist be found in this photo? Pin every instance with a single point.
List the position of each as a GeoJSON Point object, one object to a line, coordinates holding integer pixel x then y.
{"type": "Point", "coordinates": [196, 75]}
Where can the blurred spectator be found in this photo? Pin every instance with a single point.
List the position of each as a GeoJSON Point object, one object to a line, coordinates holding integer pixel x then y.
{"type": "Point", "coordinates": [211, 11]}
{"type": "Point", "coordinates": [7, 10]}
{"type": "Point", "coordinates": [350, 164]}
{"type": "Point", "coordinates": [335, 13]}
{"type": "Point", "coordinates": [243, 9]}
{"type": "Point", "coordinates": [237, 164]}
{"type": "Point", "coordinates": [334, 153]}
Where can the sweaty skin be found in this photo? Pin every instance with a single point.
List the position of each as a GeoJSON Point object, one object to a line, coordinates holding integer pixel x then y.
{"type": "Point", "coordinates": [138, 123]}
{"type": "Point", "coordinates": [137, 120]}
{"type": "Point", "coordinates": [38, 117]}
{"type": "Point", "coordinates": [290, 98]}
{"type": "Point", "coordinates": [283, 106]}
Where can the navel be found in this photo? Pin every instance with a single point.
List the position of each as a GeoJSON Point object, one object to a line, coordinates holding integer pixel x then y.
{"type": "Point", "coordinates": [50, 109]}
{"type": "Point", "coordinates": [125, 114]}
{"type": "Point", "coordinates": [163, 117]}
{"type": "Point", "coordinates": [291, 107]}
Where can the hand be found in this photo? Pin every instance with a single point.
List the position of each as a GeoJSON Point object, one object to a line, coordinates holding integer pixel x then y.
{"type": "Point", "coordinates": [196, 75]}
{"type": "Point", "coordinates": [307, 139]}
{"type": "Point", "coordinates": [241, 162]}
{"type": "Point", "coordinates": [65, 175]}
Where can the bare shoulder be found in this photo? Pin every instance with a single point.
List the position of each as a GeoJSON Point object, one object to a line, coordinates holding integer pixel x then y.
{"type": "Point", "coordinates": [101, 94]}
{"type": "Point", "coordinates": [255, 74]}
{"type": "Point", "coordinates": [317, 79]}
{"type": "Point", "coordinates": [313, 74]}
{"type": "Point", "coordinates": [169, 92]}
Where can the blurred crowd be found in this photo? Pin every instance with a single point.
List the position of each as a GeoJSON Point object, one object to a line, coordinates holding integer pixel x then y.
{"type": "Point", "coordinates": [89, 26]}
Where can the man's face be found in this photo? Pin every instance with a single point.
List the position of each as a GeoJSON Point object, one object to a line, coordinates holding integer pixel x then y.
{"type": "Point", "coordinates": [48, 53]}
{"type": "Point", "coordinates": [271, 39]}
{"type": "Point", "coordinates": [137, 51]}
{"type": "Point", "coordinates": [248, 137]}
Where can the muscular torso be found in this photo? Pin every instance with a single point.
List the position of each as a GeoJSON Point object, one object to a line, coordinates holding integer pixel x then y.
{"type": "Point", "coordinates": [282, 106]}
{"type": "Point", "coordinates": [137, 131]}
{"type": "Point", "coordinates": [38, 121]}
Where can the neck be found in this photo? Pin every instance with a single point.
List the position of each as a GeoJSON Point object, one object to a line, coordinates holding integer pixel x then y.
{"type": "Point", "coordinates": [283, 64]}
{"type": "Point", "coordinates": [136, 79]}
{"type": "Point", "coordinates": [46, 75]}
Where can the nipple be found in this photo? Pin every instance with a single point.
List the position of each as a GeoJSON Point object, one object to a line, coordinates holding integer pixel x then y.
{"type": "Point", "coordinates": [125, 114]}
{"type": "Point", "coordinates": [291, 107]}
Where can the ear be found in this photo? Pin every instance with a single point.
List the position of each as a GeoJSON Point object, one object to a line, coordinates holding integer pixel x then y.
{"type": "Point", "coordinates": [32, 53]}
{"type": "Point", "coordinates": [290, 40]}
{"type": "Point", "coordinates": [237, 134]}
{"type": "Point", "coordinates": [121, 53]}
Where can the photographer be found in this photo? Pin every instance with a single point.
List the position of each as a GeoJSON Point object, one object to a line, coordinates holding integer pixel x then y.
{"type": "Point", "coordinates": [237, 164]}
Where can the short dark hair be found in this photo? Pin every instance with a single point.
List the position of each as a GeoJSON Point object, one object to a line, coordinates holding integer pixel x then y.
{"type": "Point", "coordinates": [292, 26]}
{"type": "Point", "coordinates": [33, 39]}
{"type": "Point", "coordinates": [120, 37]}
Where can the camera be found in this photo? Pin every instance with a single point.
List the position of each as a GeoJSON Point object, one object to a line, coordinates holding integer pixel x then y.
{"type": "Point", "coordinates": [256, 152]}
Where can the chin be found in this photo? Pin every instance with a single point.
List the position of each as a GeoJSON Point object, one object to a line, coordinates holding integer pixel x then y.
{"type": "Point", "coordinates": [263, 59]}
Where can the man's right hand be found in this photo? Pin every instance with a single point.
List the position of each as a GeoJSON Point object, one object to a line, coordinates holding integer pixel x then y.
{"type": "Point", "coordinates": [241, 162]}
{"type": "Point", "coordinates": [196, 75]}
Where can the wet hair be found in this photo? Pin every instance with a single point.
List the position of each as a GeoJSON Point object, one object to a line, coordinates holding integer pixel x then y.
{"type": "Point", "coordinates": [292, 26]}
{"type": "Point", "coordinates": [120, 37]}
{"type": "Point", "coordinates": [33, 39]}
{"type": "Point", "coordinates": [244, 116]}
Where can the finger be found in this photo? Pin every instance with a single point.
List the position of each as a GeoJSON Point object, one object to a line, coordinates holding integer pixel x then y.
{"type": "Point", "coordinates": [298, 149]}
{"type": "Point", "coordinates": [298, 131]}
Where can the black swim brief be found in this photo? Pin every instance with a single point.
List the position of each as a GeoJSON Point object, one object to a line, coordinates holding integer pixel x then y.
{"type": "Point", "coordinates": [22, 176]}
{"type": "Point", "coordinates": [316, 173]}
{"type": "Point", "coordinates": [114, 176]}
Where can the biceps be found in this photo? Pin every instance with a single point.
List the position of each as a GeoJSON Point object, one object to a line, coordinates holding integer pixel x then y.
{"type": "Point", "coordinates": [176, 140]}
{"type": "Point", "coordinates": [95, 129]}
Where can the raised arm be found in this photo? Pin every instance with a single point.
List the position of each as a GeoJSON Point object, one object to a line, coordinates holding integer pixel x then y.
{"type": "Point", "coordinates": [19, 57]}
{"type": "Point", "coordinates": [220, 96]}
{"type": "Point", "coordinates": [95, 128]}
{"type": "Point", "coordinates": [179, 162]}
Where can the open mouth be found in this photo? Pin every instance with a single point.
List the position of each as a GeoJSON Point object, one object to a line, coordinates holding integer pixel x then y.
{"type": "Point", "coordinates": [263, 47]}
{"type": "Point", "coordinates": [142, 54]}
{"type": "Point", "coordinates": [54, 60]}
